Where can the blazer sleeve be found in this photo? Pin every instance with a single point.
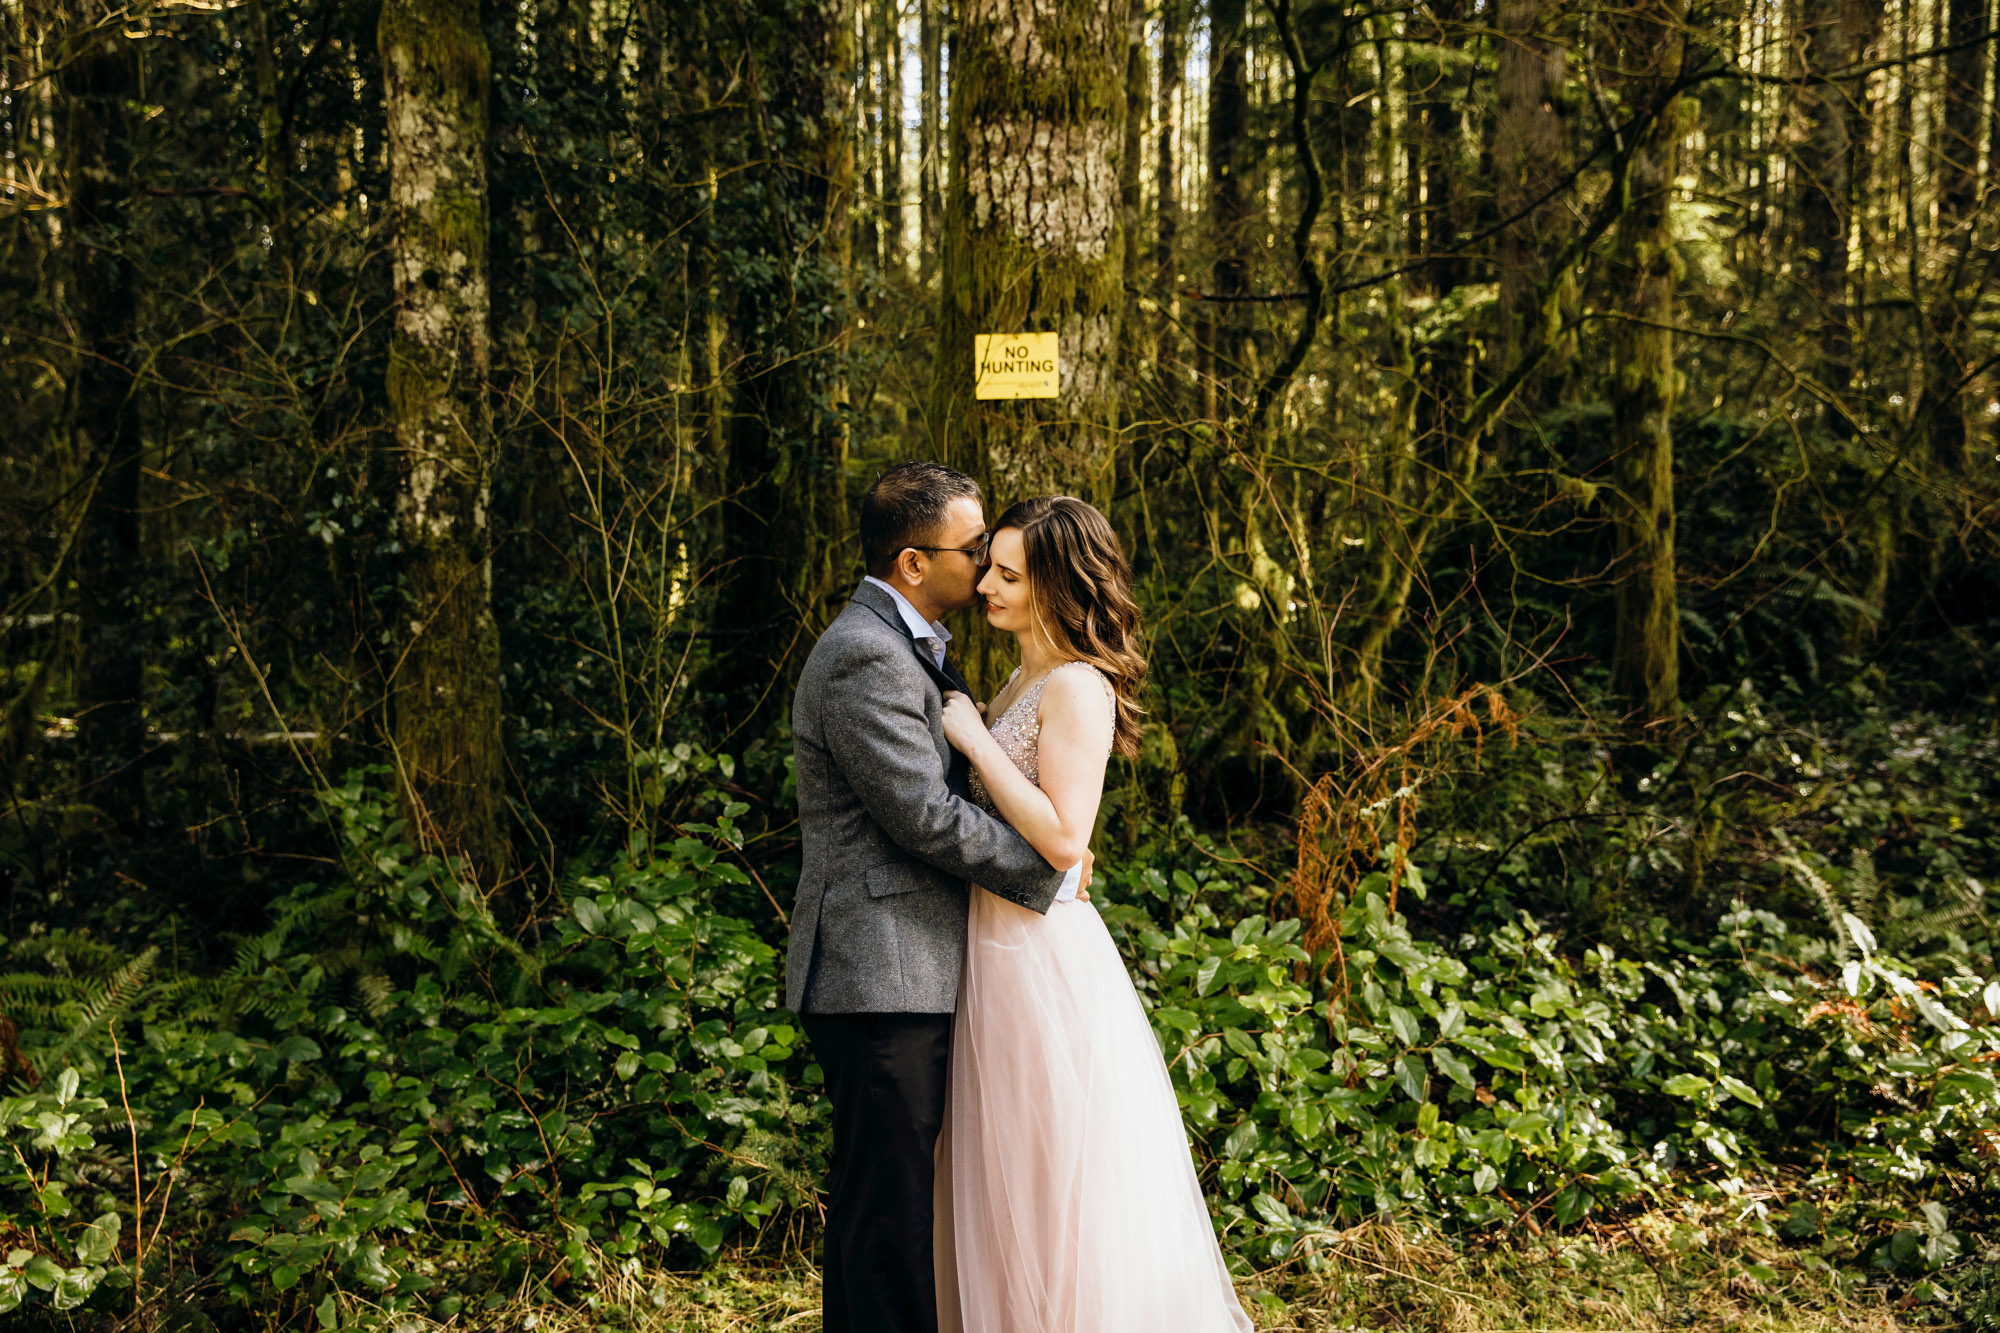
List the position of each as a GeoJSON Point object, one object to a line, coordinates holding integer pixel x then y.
{"type": "Point", "coordinates": [875, 729]}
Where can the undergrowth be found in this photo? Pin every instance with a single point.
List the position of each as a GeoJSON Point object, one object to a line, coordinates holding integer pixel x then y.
{"type": "Point", "coordinates": [1466, 1105]}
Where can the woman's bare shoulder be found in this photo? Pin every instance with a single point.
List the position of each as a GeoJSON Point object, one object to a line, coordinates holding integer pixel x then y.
{"type": "Point", "coordinates": [1079, 695]}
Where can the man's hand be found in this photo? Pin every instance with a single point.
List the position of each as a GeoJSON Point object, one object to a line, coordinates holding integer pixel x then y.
{"type": "Point", "coordinates": [1083, 879]}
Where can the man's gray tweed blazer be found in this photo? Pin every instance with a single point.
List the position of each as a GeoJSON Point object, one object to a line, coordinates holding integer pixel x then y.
{"type": "Point", "coordinates": [891, 837]}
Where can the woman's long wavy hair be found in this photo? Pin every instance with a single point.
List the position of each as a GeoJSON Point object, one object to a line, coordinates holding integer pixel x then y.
{"type": "Point", "coordinates": [1080, 593]}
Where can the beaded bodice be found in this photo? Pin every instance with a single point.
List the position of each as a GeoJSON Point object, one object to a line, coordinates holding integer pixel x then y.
{"type": "Point", "coordinates": [1018, 730]}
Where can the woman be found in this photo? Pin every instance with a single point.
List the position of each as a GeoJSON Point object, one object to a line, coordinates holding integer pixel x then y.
{"type": "Point", "coordinates": [1067, 1200]}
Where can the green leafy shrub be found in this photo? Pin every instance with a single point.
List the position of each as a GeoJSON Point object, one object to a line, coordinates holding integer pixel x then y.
{"type": "Point", "coordinates": [67, 1256]}
{"type": "Point", "coordinates": [390, 1095]}
{"type": "Point", "coordinates": [1475, 1083]}
{"type": "Point", "coordinates": [385, 1077]}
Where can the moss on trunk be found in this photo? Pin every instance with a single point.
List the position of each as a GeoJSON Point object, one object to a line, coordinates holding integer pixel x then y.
{"type": "Point", "coordinates": [1646, 663]}
{"type": "Point", "coordinates": [787, 538]}
{"type": "Point", "coordinates": [1034, 239]}
{"type": "Point", "coordinates": [446, 689]}
{"type": "Point", "coordinates": [1530, 153]}
{"type": "Point", "coordinates": [101, 80]}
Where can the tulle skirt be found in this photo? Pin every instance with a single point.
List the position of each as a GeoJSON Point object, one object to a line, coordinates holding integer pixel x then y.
{"type": "Point", "coordinates": [1067, 1200]}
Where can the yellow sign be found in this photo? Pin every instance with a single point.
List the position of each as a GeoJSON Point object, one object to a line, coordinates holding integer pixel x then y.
{"type": "Point", "coordinates": [1014, 365]}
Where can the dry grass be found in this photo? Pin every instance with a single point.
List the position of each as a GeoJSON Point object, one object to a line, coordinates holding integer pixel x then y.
{"type": "Point", "coordinates": [1665, 1271]}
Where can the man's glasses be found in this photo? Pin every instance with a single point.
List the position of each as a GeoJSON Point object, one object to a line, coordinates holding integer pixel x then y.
{"type": "Point", "coordinates": [978, 553]}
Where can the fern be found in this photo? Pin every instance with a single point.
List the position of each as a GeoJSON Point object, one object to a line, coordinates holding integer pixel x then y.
{"type": "Point", "coordinates": [1830, 905]}
{"type": "Point", "coordinates": [113, 1000]}
{"type": "Point", "coordinates": [1864, 889]}
{"type": "Point", "coordinates": [309, 905]}
{"type": "Point", "coordinates": [88, 986]}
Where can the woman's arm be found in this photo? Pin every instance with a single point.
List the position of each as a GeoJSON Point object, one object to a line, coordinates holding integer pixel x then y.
{"type": "Point", "coordinates": [1058, 817]}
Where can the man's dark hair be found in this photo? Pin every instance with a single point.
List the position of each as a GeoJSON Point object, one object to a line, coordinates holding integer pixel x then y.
{"type": "Point", "coordinates": [906, 507]}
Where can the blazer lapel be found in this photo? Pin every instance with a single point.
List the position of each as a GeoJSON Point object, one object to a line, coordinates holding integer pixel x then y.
{"type": "Point", "coordinates": [945, 677]}
{"type": "Point", "coordinates": [954, 676]}
{"type": "Point", "coordinates": [957, 768]}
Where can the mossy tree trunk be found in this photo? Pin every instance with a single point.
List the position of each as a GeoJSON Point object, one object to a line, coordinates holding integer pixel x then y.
{"type": "Point", "coordinates": [690, 37]}
{"type": "Point", "coordinates": [872, 116]}
{"type": "Point", "coordinates": [1166, 186]}
{"type": "Point", "coordinates": [1947, 396]}
{"type": "Point", "coordinates": [1834, 35]}
{"type": "Point", "coordinates": [1034, 239]}
{"type": "Point", "coordinates": [1436, 167]}
{"type": "Point", "coordinates": [274, 161]}
{"type": "Point", "coordinates": [1644, 269]}
{"type": "Point", "coordinates": [446, 689]}
{"type": "Point", "coordinates": [1224, 327]}
{"type": "Point", "coordinates": [930, 133]}
{"type": "Point", "coordinates": [787, 539]}
{"type": "Point", "coordinates": [1132, 158]}
{"type": "Point", "coordinates": [1530, 152]}
{"type": "Point", "coordinates": [102, 79]}
{"type": "Point", "coordinates": [889, 33]}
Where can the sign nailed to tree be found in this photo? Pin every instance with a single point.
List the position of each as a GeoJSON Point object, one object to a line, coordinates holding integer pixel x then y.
{"type": "Point", "coordinates": [1014, 365]}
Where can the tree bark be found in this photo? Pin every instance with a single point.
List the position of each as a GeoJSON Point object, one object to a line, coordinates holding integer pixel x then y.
{"type": "Point", "coordinates": [872, 109]}
{"type": "Point", "coordinates": [1826, 164]}
{"type": "Point", "coordinates": [101, 78]}
{"type": "Point", "coordinates": [1530, 148]}
{"type": "Point", "coordinates": [787, 542]}
{"type": "Point", "coordinates": [891, 62]}
{"type": "Point", "coordinates": [1225, 328]}
{"type": "Point", "coordinates": [1034, 240]}
{"type": "Point", "coordinates": [1646, 661]}
{"type": "Point", "coordinates": [1957, 152]}
{"type": "Point", "coordinates": [446, 710]}
{"type": "Point", "coordinates": [1132, 158]}
{"type": "Point", "coordinates": [1174, 17]}
{"type": "Point", "coordinates": [274, 160]}
{"type": "Point", "coordinates": [930, 137]}
{"type": "Point", "coordinates": [704, 326]}
{"type": "Point", "coordinates": [1833, 35]}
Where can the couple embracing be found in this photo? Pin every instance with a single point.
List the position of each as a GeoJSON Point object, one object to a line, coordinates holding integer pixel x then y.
{"type": "Point", "coordinates": [1008, 1156]}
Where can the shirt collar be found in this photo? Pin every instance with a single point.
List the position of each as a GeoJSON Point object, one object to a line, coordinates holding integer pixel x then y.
{"type": "Point", "coordinates": [912, 618]}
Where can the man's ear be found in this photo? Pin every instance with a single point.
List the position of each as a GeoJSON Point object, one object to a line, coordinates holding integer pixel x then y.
{"type": "Point", "coordinates": [910, 564]}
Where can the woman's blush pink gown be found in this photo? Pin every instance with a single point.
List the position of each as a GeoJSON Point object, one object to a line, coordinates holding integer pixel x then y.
{"type": "Point", "coordinates": [1067, 1200]}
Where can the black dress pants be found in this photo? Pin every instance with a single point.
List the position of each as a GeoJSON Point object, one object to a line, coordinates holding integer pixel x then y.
{"type": "Point", "coordinates": [885, 1075]}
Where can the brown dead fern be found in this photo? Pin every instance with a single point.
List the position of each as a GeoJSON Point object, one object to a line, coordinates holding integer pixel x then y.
{"type": "Point", "coordinates": [1343, 817]}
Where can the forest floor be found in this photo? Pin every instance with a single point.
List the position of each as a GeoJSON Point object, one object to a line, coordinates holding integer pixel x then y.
{"type": "Point", "coordinates": [1651, 1273]}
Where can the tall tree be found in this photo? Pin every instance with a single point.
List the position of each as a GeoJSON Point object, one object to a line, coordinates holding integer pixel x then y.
{"type": "Point", "coordinates": [930, 134]}
{"type": "Point", "coordinates": [1166, 170]}
{"type": "Point", "coordinates": [692, 75]}
{"type": "Point", "coordinates": [446, 687]}
{"type": "Point", "coordinates": [1437, 165]}
{"type": "Point", "coordinates": [1826, 162]}
{"type": "Point", "coordinates": [889, 36]}
{"type": "Point", "coordinates": [1132, 156]}
{"type": "Point", "coordinates": [786, 535]}
{"type": "Point", "coordinates": [1034, 240]}
{"type": "Point", "coordinates": [873, 110]}
{"type": "Point", "coordinates": [1957, 149]}
{"type": "Point", "coordinates": [101, 81]}
{"type": "Point", "coordinates": [1225, 325]}
{"type": "Point", "coordinates": [1833, 37]}
{"type": "Point", "coordinates": [1530, 144]}
{"type": "Point", "coordinates": [1644, 270]}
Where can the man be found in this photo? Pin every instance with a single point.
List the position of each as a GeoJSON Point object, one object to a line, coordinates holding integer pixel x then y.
{"type": "Point", "coordinates": [891, 840]}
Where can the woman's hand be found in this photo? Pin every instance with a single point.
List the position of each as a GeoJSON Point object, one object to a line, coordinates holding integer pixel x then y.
{"type": "Point", "coordinates": [964, 722]}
